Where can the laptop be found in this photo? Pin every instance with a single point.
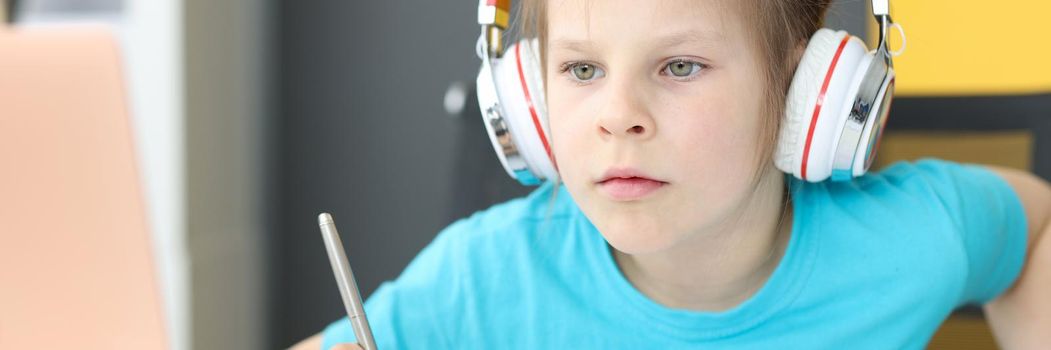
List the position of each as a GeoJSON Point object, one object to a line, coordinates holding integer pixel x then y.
{"type": "Point", "coordinates": [76, 264]}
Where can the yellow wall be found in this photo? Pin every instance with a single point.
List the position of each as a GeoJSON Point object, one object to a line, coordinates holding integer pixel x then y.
{"type": "Point", "coordinates": [970, 47]}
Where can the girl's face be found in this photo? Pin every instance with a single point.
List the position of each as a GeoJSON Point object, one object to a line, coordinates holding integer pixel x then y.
{"type": "Point", "coordinates": [667, 90]}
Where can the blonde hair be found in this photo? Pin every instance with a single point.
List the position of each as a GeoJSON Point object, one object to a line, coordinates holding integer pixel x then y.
{"type": "Point", "coordinates": [779, 28]}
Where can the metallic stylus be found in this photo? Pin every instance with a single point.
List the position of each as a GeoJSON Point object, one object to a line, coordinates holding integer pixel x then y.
{"type": "Point", "coordinates": [348, 288]}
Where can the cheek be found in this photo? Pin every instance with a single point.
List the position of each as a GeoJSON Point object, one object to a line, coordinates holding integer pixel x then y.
{"type": "Point", "coordinates": [716, 129]}
{"type": "Point", "coordinates": [569, 124]}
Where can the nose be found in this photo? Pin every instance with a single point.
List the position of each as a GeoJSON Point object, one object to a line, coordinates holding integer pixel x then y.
{"type": "Point", "coordinates": [625, 115]}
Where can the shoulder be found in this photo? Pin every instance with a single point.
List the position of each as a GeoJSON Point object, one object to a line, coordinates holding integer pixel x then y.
{"type": "Point", "coordinates": [908, 210]}
{"type": "Point", "coordinates": [923, 182]}
{"type": "Point", "coordinates": [905, 204]}
{"type": "Point", "coordinates": [939, 218]}
{"type": "Point", "coordinates": [928, 194]}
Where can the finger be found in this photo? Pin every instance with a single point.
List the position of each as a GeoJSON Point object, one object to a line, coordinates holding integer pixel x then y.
{"type": "Point", "coordinates": [346, 346]}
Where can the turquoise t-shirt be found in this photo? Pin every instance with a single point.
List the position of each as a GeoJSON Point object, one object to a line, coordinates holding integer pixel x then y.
{"type": "Point", "coordinates": [875, 263]}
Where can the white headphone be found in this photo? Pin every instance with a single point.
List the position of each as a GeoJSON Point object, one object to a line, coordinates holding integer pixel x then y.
{"type": "Point", "coordinates": [835, 110]}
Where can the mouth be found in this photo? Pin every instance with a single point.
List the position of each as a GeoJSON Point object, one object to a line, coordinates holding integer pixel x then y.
{"type": "Point", "coordinates": [628, 184]}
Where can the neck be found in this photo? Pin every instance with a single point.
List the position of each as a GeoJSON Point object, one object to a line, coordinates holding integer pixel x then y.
{"type": "Point", "coordinates": [722, 267]}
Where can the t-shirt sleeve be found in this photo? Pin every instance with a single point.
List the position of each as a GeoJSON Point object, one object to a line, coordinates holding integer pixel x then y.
{"type": "Point", "coordinates": [988, 217]}
{"type": "Point", "coordinates": [409, 311]}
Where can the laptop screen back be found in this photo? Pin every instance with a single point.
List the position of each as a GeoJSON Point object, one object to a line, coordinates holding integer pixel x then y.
{"type": "Point", "coordinates": [76, 265]}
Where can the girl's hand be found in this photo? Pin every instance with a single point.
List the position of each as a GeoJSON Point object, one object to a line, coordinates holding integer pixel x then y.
{"type": "Point", "coordinates": [314, 343]}
{"type": "Point", "coordinates": [346, 346]}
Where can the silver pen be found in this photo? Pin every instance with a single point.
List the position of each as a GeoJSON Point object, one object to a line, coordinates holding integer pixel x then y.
{"type": "Point", "coordinates": [348, 288]}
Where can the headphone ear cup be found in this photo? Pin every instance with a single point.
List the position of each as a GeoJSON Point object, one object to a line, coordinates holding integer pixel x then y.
{"type": "Point", "coordinates": [815, 105]}
{"type": "Point", "coordinates": [806, 83]}
{"type": "Point", "coordinates": [530, 83]}
{"type": "Point", "coordinates": [532, 74]}
{"type": "Point", "coordinates": [520, 137]}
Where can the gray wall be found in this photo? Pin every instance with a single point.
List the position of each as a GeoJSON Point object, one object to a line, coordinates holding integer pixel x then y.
{"type": "Point", "coordinates": [362, 134]}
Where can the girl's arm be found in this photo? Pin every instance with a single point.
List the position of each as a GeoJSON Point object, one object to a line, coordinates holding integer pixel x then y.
{"type": "Point", "coordinates": [1021, 317]}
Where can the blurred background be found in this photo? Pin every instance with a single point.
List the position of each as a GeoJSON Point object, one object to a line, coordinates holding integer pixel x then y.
{"type": "Point", "coordinates": [251, 117]}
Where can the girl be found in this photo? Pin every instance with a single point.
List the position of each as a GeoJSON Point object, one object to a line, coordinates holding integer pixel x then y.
{"type": "Point", "coordinates": [673, 229]}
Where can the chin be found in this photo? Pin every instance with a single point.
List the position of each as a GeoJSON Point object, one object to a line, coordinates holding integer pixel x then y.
{"type": "Point", "coordinates": [635, 236]}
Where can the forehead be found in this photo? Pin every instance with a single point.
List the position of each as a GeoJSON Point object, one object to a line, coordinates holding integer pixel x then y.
{"type": "Point", "coordinates": [576, 23]}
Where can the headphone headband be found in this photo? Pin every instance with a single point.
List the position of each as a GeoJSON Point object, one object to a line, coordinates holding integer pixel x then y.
{"type": "Point", "coordinates": [494, 17]}
{"type": "Point", "coordinates": [881, 8]}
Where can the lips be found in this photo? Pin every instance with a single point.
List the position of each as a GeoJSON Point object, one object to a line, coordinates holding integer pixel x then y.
{"type": "Point", "coordinates": [628, 184]}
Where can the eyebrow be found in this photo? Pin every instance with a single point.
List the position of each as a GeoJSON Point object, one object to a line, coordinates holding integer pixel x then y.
{"type": "Point", "coordinates": [571, 44]}
{"type": "Point", "coordinates": [691, 37]}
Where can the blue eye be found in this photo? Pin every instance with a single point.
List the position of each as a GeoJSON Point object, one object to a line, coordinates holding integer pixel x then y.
{"type": "Point", "coordinates": [683, 68]}
{"type": "Point", "coordinates": [583, 72]}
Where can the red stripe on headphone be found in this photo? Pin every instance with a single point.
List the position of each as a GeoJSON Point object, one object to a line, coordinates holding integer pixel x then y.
{"type": "Point", "coordinates": [529, 102]}
{"type": "Point", "coordinates": [821, 101]}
